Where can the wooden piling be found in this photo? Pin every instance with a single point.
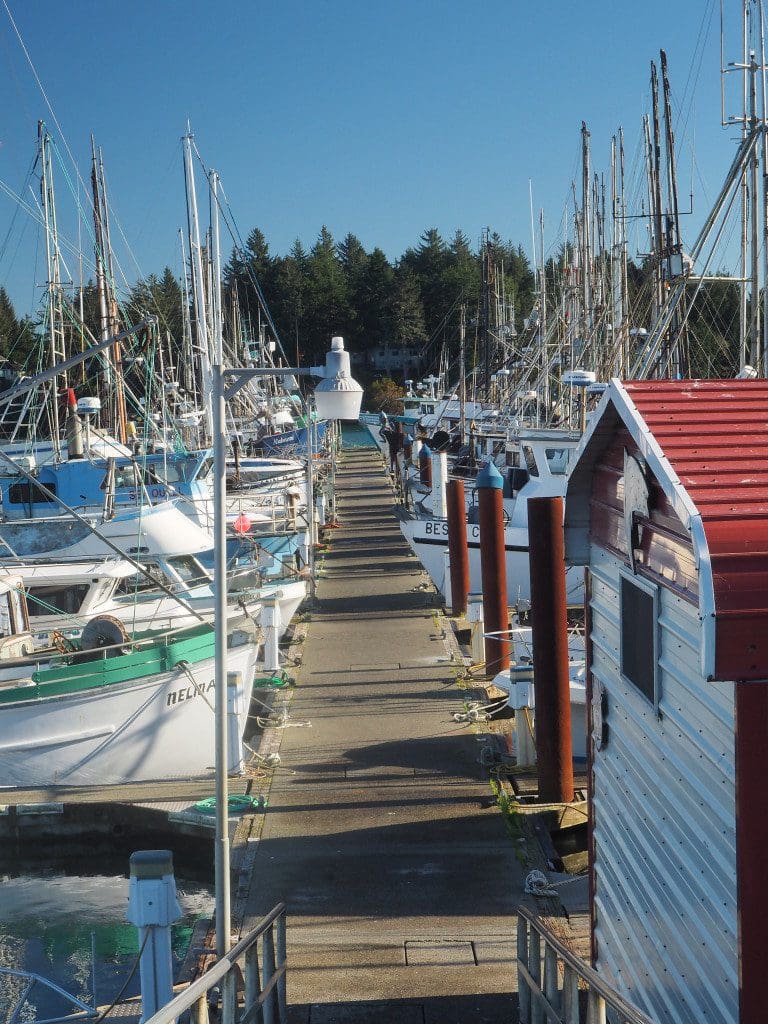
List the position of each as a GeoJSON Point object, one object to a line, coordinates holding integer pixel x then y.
{"type": "Point", "coordinates": [549, 622]}
{"type": "Point", "coordinates": [493, 567]}
{"type": "Point", "coordinates": [458, 552]}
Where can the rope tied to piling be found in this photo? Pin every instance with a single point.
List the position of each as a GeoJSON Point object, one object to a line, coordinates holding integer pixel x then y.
{"type": "Point", "coordinates": [537, 884]}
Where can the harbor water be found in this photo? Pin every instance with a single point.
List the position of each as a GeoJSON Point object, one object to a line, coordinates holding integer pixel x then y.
{"type": "Point", "coordinates": [50, 924]}
{"type": "Point", "coordinates": [356, 436]}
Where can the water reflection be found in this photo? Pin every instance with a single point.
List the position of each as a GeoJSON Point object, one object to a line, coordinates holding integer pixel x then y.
{"type": "Point", "coordinates": [49, 924]}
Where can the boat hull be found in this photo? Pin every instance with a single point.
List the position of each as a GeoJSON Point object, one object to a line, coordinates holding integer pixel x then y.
{"type": "Point", "coordinates": [428, 539]}
{"type": "Point", "coordinates": [154, 728]}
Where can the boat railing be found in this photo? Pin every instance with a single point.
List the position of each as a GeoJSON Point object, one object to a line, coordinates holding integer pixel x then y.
{"type": "Point", "coordinates": [250, 979]}
{"type": "Point", "coordinates": [28, 984]}
{"type": "Point", "coordinates": [554, 985]}
{"type": "Point", "coordinates": [41, 661]}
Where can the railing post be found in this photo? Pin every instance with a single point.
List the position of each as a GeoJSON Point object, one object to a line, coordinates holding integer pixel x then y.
{"type": "Point", "coordinates": [560, 1004]}
{"type": "Point", "coordinates": [267, 970]}
{"type": "Point", "coordinates": [570, 995]}
{"type": "Point", "coordinates": [252, 978]}
{"type": "Point", "coordinates": [551, 986]}
{"type": "Point", "coordinates": [200, 1010]}
{"type": "Point", "coordinates": [523, 992]}
{"type": "Point", "coordinates": [229, 998]}
{"type": "Point", "coordinates": [282, 1001]}
{"type": "Point", "coordinates": [534, 969]}
{"type": "Point", "coordinates": [595, 1008]}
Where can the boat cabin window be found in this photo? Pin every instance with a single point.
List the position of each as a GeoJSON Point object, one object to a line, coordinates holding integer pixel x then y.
{"type": "Point", "coordinates": [174, 471]}
{"type": "Point", "coordinates": [530, 460]}
{"type": "Point", "coordinates": [69, 597]}
{"type": "Point", "coordinates": [205, 470]}
{"type": "Point", "coordinates": [125, 476]}
{"type": "Point", "coordinates": [189, 569]}
{"type": "Point", "coordinates": [639, 604]}
{"type": "Point", "coordinates": [27, 492]}
{"type": "Point", "coordinates": [557, 459]}
{"type": "Point", "coordinates": [140, 581]}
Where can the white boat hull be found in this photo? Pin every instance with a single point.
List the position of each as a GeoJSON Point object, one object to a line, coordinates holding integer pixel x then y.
{"type": "Point", "coordinates": [150, 729]}
{"type": "Point", "coordinates": [428, 539]}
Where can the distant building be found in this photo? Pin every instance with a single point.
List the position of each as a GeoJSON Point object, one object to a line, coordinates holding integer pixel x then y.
{"type": "Point", "coordinates": [402, 360]}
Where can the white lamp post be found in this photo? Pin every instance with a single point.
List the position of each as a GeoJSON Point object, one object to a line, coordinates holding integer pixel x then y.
{"type": "Point", "coordinates": [338, 396]}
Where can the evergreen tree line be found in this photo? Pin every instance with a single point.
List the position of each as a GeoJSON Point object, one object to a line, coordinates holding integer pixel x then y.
{"type": "Point", "coordinates": [333, 288]}
{"type": "Point", "coordinates": [341, 288]}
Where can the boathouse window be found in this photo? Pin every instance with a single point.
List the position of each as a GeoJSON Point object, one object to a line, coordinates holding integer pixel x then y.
{"type": "Point", "coordinates": [25, 492]}
{"type": "Point", "coordinates": [639, 635]}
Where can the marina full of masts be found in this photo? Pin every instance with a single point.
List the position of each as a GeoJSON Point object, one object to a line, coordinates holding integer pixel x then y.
{"type": "Point", "coordinates": [134, 516]}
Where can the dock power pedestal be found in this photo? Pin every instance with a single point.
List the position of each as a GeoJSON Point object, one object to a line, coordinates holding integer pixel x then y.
{"type": "Point", "coordinates": [153, 908]}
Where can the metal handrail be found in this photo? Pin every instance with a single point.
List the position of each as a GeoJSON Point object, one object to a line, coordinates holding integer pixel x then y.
{"type": "Point", "coordinates": [553, 996]}
{"type": "Point", "coordinates": [264, 989]}
{"type": "Point", "coordinates": [81, 1011]}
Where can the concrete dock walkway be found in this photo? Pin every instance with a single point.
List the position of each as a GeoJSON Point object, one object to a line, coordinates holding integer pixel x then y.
{"type": "Point", "coordinates": [382, 834]}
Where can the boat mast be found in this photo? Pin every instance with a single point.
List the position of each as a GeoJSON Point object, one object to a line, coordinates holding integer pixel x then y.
{"type": "Point", "coordinates": [546, 397]}
{"type": "Point", "coordinates": [658, 214]}
{"type": "Point", "coordinates": [198, 285]}
{"type": "Point", "coordinates": [100, 273]}
{"type": "Point", "coordinates": [586, 235]}
{"type": "Point", "coordinates": [624, 271]}
{"type": "Point", "coordinates": [108, 311]}
{"type": "Point", "coordinates": [743, 293]}
{"type": "Point", "coordinates": [681, 362]}
{"type": "Point", "coordinates": [186, 365]}
{"type": "Point", "coordinates": [764, 123]}
{"type": "Point", "coordinates": [485, 315]}
{"type": "Point", "coordinates": [754, 332]}
{"type": "Point", "coordinates": [53, 270]}
{"type": "Point", "coordinates": [216, 311]}
{"type": "Point", "coordinates": [462, 373]}
{"type": "Point", "coordinates": [753, 329]}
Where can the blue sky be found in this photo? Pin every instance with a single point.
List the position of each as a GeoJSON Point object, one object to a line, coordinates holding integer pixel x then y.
{"type": "Point", "coordinates": [378, 118]}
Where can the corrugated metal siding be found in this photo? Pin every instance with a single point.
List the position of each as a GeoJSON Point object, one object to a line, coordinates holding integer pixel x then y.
{"type": "Point", "coordinates": [715, 435]}
{"type": "Point", "coordinates": [665, 867]}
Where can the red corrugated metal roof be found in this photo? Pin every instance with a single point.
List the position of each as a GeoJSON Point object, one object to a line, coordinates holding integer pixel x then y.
{"type": "Point", "coordinates": [714, 433]}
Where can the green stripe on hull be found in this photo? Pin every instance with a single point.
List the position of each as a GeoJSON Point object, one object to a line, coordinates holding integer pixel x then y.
{"type": "Point", "coordinates": [192, 645]}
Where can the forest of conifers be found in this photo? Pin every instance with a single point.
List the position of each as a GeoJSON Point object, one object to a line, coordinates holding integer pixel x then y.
{"type": "Point", "coordinates": [342, 288]}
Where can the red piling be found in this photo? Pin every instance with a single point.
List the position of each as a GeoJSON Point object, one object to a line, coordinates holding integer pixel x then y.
{"type": "Point", "coordinates": [549, 622]}
{"type": "Point", "coordinates": [493, 567]}
{"type": "Point", "coordinates": [458, 552]}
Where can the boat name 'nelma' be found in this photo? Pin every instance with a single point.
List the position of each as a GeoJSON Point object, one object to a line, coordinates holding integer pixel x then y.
{"type": "Point", "coordinates": [188, 692]}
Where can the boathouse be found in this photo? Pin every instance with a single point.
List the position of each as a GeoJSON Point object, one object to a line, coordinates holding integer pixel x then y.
{"type": "Point", "coordinates": [667, 507]}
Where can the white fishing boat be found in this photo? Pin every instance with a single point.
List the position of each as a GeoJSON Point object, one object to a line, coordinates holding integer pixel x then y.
{"type": "Point", "coordinates": [134, 711]}
{"type": "Point", "coordinates": [143, 531]}
{"type": "Point", "coordinates": [63, 597]}
{"type": "Point", "coordinates": [538, 468]}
